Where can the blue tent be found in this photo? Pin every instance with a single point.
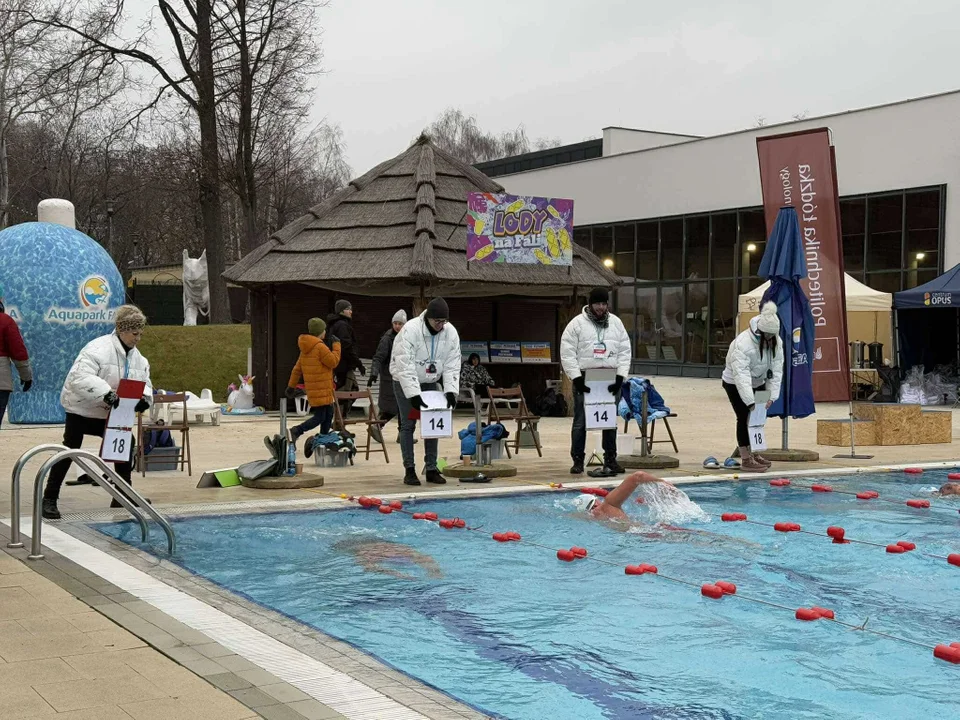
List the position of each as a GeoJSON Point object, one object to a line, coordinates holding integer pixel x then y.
{"type": "Point", "coordinates": [928, 322]}
{"type": "Point", "coordinates": [785, 264]}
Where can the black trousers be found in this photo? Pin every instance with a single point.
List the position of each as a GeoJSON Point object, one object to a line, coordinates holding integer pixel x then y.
{"type": "Point", "coordinates": [74, 429]}
{"type": "Point", "coordinates": [4, 397]}
{"type": "Point", "coordinates": [578, 435]}
{"type": "Point", "coordinates": [322, 416]}
{"type": "Point", "coordinates": [741, 411]}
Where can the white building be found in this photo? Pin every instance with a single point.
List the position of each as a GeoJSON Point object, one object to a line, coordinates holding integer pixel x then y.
{"type": "Point", "coordinates": [681, 216]}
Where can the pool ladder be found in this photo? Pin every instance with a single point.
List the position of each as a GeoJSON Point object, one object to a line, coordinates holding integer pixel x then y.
{"type": "Point", "coordinates": [101, 473]}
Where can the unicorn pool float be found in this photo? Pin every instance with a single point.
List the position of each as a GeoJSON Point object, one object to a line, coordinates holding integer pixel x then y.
{"type": "Point", "coordinates": [240, 399]}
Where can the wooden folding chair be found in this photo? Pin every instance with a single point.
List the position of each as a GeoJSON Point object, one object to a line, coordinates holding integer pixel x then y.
{"type": "Point", "coordinates": [525, 419]}
{"type": "Point", "coordinates": [370, 421]}
{"type": "Point", "coordinates": [653, 429]}
{"type": "Point", "coordinates": [182, 424]}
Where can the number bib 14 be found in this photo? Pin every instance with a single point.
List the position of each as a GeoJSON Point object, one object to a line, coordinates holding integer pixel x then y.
{"type": "Point", "coordinates": [601, 417]}
{"type": "Point", "coordinates": [436, 424]}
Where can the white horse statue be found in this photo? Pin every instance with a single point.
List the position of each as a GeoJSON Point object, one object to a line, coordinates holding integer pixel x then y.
{"type": "Point", "coordinates": [241, 398]}
{"type": "Point", "coordinates": [196, 288]}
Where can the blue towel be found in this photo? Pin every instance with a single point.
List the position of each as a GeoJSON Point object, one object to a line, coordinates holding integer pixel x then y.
{"type": "Point", "coordinates": [468, 436]}
{"type": "Point", "coordinates": [631, 403]}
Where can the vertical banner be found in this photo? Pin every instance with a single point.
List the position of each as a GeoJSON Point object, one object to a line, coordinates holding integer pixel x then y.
{"type": "Point", "coordinates": [799, 169]}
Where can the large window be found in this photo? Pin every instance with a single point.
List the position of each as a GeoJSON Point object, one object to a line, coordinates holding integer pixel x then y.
{"type": "Point", "coordinates": [689, 271]}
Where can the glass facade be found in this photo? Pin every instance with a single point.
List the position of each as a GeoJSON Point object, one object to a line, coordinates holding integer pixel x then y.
{"type": "Point", "coordinates": [683, 274]}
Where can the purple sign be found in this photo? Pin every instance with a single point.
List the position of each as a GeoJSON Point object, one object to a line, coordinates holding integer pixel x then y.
{"type": "Point", "coordinates": [515, 229]}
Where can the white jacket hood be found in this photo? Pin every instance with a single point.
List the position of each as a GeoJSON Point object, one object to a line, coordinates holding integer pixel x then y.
{"type": "Point", "coordinates": [585, 345]}
{"type": "Point", "coordinates": [98, 369]}
{"type": "Point", "coordinates": [415, 348]}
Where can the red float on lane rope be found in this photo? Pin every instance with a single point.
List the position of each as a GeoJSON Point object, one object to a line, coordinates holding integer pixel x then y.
{"type": "Point", "coordinates": [640, 569]}
{"type": "Point", "coordinates": [867, 496]}
{"type": "Point", "coordinates": [908, 546]}
{"type": "Point", "coordinates": [954, 476]}
{"type": "Point", "coordinates": [501, 537]}
{"type": "Point", "coordinates": [386, 509]}
{"type": "Point", "coordinates": [513, 535]}
{"type": "Point", "coordinates": [781, 482]}
{"type": "Point", "coordinates": [950, 653]}
{"type": "Point", "coordinates": [396, 505]}
{"type": "Point", "coordinates": [579, 551]}
{"type": "Point", "coordinates": [807, 614]}
{"type": "Point", "coordinates": [566, 556]}
{"type": "Point", "coordinates": [711, 591]}
{"type": "Point", "coordinates": [895, 549]}
{"type": "Point", "coordinates": [821, 488]}
{"type": "Point", "coordinates": [824, 612]}
{"type": "Point", "coordinates": [728, 587]}
{"type": "Point", "coordinates": [786, 527]}
{"type": "Point", "coordinates": [418, 516]}
{"type": "Point", "coordinates": [918, 503]}
{"type": "Point", "coordinates": [954, 559]}
{"type": "Point", "coordinates": [913, 471]}
{"type": "Point", "coordinates": [733, 517]}
{"type": "Point", "coordinates": [430, 516]}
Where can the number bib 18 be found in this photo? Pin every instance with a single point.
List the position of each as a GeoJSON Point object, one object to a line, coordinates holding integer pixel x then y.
{"type": "Point", "coordinates": [758, 440]}
{"type": "Point", "coordinates": [116, 445]}
{"type": "Point", "coordinates": [601, 417]}
{"type": "Point", "coordinates": [436, 424]}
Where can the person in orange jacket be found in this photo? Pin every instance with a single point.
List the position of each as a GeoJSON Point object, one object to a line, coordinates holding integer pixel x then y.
{"type": "Point", "coordinates": [319, 355]}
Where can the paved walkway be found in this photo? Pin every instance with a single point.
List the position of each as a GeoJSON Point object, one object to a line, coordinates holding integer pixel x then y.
{"type": "Point", "coordinates": [60, 658]}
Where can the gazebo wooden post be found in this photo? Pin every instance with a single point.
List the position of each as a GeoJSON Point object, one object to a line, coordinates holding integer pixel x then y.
{"type": "Point", "coordinates": [419, 303]}
{"type": "Point", "coordinates": [568, 311]}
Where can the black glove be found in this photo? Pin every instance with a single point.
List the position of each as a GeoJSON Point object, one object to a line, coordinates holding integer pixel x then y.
{"type": "Point", "coordinates": [615, 388]}
{"type": "Point", "coordinates": [417, 403]}
{"type": "Point", "coordinates": [143, 405]}
{"type": "Point", "coordinates": [451, 400]}
{"type": "Point", "coordinates": [290, 392]}
{"type": "Point", "coordinates": [361, 369]}
{"type": "Point", "coordinates": [371, 380]}
{"type": "Point", "coordinates": [580, 385]}
{"type": "Point", "coordinates": [27, 385]}
{"type": "Point", "coordinates": [112, 399]}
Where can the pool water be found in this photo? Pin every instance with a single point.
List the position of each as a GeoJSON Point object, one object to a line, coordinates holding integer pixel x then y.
{"type": "Point", "coordinates": [511, 630]}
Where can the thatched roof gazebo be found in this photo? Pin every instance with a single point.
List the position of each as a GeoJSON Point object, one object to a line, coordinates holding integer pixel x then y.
{"type": "Point", "coordinates": [390, 239]}
{"type": "Point", "coordinates": [399, 230]}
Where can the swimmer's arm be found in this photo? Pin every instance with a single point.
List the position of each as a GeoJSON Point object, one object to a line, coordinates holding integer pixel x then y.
{"type": "Point", "coordinates": [619, 495]}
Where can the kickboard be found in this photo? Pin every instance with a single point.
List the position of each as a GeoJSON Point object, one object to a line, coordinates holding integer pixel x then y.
{"type": "Point", "coordinates": [226, 477]}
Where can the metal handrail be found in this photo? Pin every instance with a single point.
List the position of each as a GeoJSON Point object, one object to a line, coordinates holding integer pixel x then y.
{"type": "Point", "coordinates": [15, 541]}
{"type": "Point", "coordinates": [135, 503]}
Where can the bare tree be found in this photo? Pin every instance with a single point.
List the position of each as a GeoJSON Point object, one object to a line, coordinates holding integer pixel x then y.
{"type": "Point", "coordinates": [460, 135]}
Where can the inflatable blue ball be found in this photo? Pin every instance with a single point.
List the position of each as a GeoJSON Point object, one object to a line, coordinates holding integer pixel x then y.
{"type": "Point", "coordinates": [62, 288]}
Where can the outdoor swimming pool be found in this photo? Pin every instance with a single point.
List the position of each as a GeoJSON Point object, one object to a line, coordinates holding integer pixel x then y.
{"type": "Point", "coordinates": [515, 632]}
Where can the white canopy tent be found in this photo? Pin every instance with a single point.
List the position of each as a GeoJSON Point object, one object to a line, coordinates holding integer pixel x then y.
{"type": "Point", "coordinates": [869, 313]}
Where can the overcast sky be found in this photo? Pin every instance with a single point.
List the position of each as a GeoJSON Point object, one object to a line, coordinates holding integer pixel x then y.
{"type": "Point", "coordinates": [568, 68]}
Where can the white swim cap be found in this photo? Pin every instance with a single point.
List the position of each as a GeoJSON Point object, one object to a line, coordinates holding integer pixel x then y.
{"type": "Point", "coordinates": [584, 502]}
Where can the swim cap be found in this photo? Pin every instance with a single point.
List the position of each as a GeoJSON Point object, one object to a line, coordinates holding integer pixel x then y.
{"type": "Point", "coordinates": [584, 502]}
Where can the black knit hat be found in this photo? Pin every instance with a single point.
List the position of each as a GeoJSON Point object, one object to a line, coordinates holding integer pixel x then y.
{"type": "Point", "coordinates": [341, 306]}
{"type": "Point", "coordinates": [438, 310]}
{"type": "Point", "coordinates": [599, 295]}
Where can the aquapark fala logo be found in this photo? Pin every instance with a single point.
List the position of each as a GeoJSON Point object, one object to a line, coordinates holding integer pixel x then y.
{"type": "Point", "coordinates": [94, 294]}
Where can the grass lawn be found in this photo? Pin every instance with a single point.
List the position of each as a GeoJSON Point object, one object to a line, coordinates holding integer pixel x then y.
{"type": "Point", "coordinates": [193, 358]}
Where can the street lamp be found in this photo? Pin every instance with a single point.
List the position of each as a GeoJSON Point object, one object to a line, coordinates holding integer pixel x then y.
{"type": "Point", "coordinates": [608, 263]}
{"type": "Point", "coordinates": [110, 227]}
{"type": "Point", "coordinates": [752, 247]}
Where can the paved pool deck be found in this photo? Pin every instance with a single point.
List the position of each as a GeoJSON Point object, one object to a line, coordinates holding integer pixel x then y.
{"type": "Point", "coordinates": [63, 652]}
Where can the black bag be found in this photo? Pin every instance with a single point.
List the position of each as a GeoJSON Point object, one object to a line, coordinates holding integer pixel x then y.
{"type": "Point", "coordinates": [551, 404]}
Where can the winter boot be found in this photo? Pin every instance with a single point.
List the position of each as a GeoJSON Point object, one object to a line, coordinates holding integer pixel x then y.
{"type": "Point", "coordinates": [616, 467]}
{"type": "Point", "coordinates": [308, 447]}
{"type": "Point", "coordinates": [762, 460]}
{"type": "Point", "coordinates": [748, 464]}
{"type": "Point", "coordinates": [50, 510]}
{"type": "Point", "coordinates": [410, 477]}
{"type": "Point", "coordinates": [434, 476]}
{"type": "Point", "coordinates": [577, 468]}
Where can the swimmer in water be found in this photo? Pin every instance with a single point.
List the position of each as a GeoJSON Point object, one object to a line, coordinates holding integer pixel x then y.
{"type": "Point", "coordinates": [611, 507]}
{"type": "Point", "coordinates": [950, 488]}
{"type": "Point", "coordinates": [374, 555]}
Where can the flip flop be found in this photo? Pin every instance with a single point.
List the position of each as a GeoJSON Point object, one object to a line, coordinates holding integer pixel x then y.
{"type": "Point", "coordinates": [602, 472]}
{"type": "Point", "coordinates": [478, 478]}
{"type": "Point", "coordinates": [711, 463]}
{"type": "Point", "coordinates": [731, 464]}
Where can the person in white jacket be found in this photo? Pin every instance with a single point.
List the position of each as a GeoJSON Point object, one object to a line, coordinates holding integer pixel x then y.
{"type": "Point", "coordinates": [90, 392]}
{"type": "Point", "coordinates": [754, 362]}
{"type": "Point", "coordinates": [594, 340]}
{"type": "Point", "coordinates": [426, 355]}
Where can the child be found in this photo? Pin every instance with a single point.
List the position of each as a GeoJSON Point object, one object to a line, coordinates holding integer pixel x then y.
{"type": "Point", "coordinates": [316, 363]}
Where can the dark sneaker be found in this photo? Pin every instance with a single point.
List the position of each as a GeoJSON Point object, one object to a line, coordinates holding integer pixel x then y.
{"type": "Point", "coordinates": [577, 469]}
{"type": "Point", "coordinates": [434, 476]}
{"type": "Point", "coordinates": [410, 477]}
{"type": "Point", "coordinates": [617, 468]}
{"type": "Point", "coordinates": [293, 435]}
{"type": "Point", "coordinates": [50, 510]}
{"type": "Point", "coordinates": [308, 447]}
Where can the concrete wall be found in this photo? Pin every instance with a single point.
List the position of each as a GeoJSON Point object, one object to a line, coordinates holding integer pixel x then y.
{"type": "Point", "coordinates": [905, 145]}
{"type": "Point", "coordinates": [618, 140]}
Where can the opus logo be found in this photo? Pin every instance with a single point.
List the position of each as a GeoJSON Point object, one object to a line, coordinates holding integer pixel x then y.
{"type": "Point", "coordinates": [938, 298]}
